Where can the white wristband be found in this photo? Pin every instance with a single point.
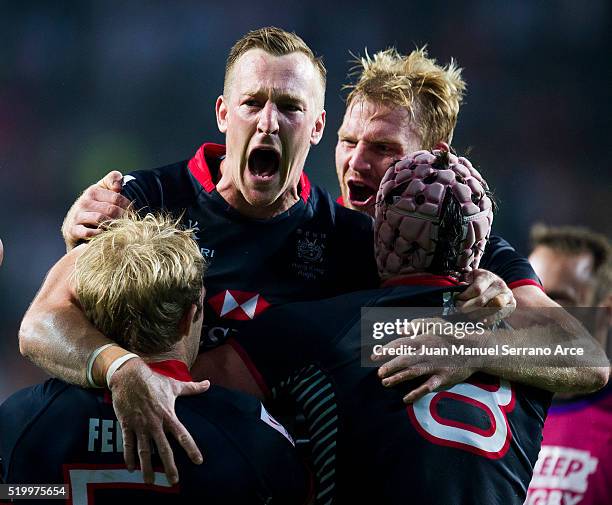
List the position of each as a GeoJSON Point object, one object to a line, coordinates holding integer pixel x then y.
{"type": "Point", "coordinates": [90, 363]}
{"type": "Point", "coordinates": [116, 364]}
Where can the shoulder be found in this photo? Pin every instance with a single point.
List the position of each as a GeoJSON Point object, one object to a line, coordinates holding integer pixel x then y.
{"type": "Point", "coordinates": [24, 408]}
{"type": "Point", "coordinates": [343, 218]}
{"type": "Point", "coordinates": [27, 404]}
{"type": "Point", "coordinates": [217, 405]}
{"type": "Point", "coordinates": [167, 186]}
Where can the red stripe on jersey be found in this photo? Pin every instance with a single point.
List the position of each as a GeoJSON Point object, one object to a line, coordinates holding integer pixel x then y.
{"type": "Point", "coordinates": [525, 282]}
{"type": "Point", "coordinates": [172, 368]}
{"type": "Point", "coordinates": [305, 187]}
{"type": "Point", "coordinates": [246, 359]}
{"type": "Point", "coordinates": [340, 200]}
{"type": "Point", "coordinates": [198, 166]}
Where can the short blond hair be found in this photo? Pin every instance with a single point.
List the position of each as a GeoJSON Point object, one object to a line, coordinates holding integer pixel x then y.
{"type": "Point", "coordinates": [277, 42]}
{"type": "Point", "coordinates": [430, 92]}
{"type": "Point", "coordinates": [137, 279]}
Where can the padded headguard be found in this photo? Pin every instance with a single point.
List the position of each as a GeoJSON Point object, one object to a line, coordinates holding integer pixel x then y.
{"type": "Point", "coordinates": [433, 214]}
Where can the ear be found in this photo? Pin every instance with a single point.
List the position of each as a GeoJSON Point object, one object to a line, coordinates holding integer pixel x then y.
{"type": "Point", "coordinates": [317, 129]}
{"type": "Point", "coordinates": [221, 112]}
{"type": "Point", "coordinates": [187, 320]}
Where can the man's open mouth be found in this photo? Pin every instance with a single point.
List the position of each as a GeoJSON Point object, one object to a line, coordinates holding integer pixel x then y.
{"type": "Point", "coordinates": [264, 163]}
{"type": "Point", "coordinates": [360, 194]}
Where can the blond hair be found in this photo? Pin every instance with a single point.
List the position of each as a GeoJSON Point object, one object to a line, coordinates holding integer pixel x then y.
{"type": "Point", "coordinates": [431, 93]}
{"type": "Point", "coordinates": [277, 42]}
{"type": "Point", "coordinates": [137, 279]}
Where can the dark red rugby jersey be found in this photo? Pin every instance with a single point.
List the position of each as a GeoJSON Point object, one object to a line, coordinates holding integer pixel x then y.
{"type": "Point", "coordinates": [315, 249]}
{"type": "Point", "coordinates": [476, 442]}
{"type": "Point", "coordinates": [57, 433]}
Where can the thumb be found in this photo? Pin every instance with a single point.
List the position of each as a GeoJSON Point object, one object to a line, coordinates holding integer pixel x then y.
{"type": "Point", "coordinates": [192, 388]}
{"type": "Point", "coordinates": [113, 181]}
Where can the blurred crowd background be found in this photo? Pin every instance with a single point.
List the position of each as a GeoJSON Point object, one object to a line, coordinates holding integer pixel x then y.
{"type": "Point", "coordinates": [86, 87]}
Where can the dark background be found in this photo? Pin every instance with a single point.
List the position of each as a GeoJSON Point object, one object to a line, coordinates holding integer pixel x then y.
{"type": "Point", "coordinates": [88, 87]}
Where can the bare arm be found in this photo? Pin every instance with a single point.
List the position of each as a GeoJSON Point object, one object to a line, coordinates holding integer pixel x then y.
{"type": "Point", "coordinates": [54, 333]}
{"type": "Point", "coordinates": [568, 374]}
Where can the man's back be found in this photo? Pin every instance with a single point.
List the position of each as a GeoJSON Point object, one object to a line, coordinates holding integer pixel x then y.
{"type": "Point", "coordinates": [476, 442]}
{"type": "Point", "coordinates": [59, 433]}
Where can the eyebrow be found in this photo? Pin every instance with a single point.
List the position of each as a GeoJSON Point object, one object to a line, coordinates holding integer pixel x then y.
{"type": "Point", "coordinates": [277, 96]}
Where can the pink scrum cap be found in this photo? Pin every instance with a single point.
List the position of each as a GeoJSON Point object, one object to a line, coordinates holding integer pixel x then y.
{"type": "Point", "coordinates": [433, 213]}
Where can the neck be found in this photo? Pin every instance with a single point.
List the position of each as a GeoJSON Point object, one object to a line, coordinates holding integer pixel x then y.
{"type": "Point", "coordinates": [178, 352]}
{"type": "Point", "coordinates": [230, 193]}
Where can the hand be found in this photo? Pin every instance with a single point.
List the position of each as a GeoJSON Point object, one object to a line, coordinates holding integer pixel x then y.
{"type": "Point", "coordinates": [407, 367]}
{"type": "Point", "coordinates": [99, 202]}
{"type": "Point", "coordinates": [144, 404]}
{"type": "Point", "coordinates": [486, 291]}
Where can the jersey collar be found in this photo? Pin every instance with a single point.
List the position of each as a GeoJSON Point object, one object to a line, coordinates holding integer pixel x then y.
{"type": "Point", "coordinates": [172, 368]}
{"type": "Point", "coordinates": [200, 169]}
{"type": "Point", "coordinates": [443, 281]}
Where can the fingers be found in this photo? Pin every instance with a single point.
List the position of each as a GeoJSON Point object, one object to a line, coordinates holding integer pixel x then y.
{"type": "Point", "coordinates": [80, 232]}
{"type": "Point", "coordinates": [176, 428]}
{"type": "Point", "coordinates": [101, 194]}
{"type": "Point", "coordinates": [396, 364]}
{"type": "Point", "coordinates": [129, 448]}
{"type": "Point", "coordinates": [167, 456]}
{"type": "Point", "coordinates": [405, 375]}
{"type": "Point", "coordinates": [494, 297]}
{"type": "Point", "coordinates": [113, 181]}
{"type": "Point", "coordinates": [144, 455]}
{"type": "Point", "coordinates": [480, 282]}
{"type": "Point", "coordinates": [191, 388]}
{"type": "Point", "coordinates": [427, 387]}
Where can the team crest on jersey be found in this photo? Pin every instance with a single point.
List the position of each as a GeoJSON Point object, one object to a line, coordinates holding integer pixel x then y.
{"type": "Point", "coordinates": [309, 253]}
{"type": "Point", "coordinates": [309, 249]}
{"type": "Point", "coordinates": [238, 305]}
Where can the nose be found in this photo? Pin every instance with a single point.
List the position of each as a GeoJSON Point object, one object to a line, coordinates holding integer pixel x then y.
{"type": "Point", "coordinates": [268, 119]}
{"type": "Point", "coordinates": [358, 160]}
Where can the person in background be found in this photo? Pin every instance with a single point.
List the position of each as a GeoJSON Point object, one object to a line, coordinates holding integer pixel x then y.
{"type": "Point", "coordinates": [575, 463]}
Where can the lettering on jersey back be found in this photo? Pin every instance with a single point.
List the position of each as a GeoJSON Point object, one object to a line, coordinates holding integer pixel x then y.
{"type": "Point", "coordinates": [104, 435]}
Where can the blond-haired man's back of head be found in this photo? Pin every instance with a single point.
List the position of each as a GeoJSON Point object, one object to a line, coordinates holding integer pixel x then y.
{"type": "Point", "coordinates": [137, 279]}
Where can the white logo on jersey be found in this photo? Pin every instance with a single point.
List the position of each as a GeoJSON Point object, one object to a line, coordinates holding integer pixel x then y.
{"type": "Point", "coordinates": [494, 401]}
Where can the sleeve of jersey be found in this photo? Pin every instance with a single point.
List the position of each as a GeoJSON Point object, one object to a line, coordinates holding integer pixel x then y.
{"type": "Point", "coordinates": [503, 260]}
{"type": "Point", "coordinates": [144, 189]}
